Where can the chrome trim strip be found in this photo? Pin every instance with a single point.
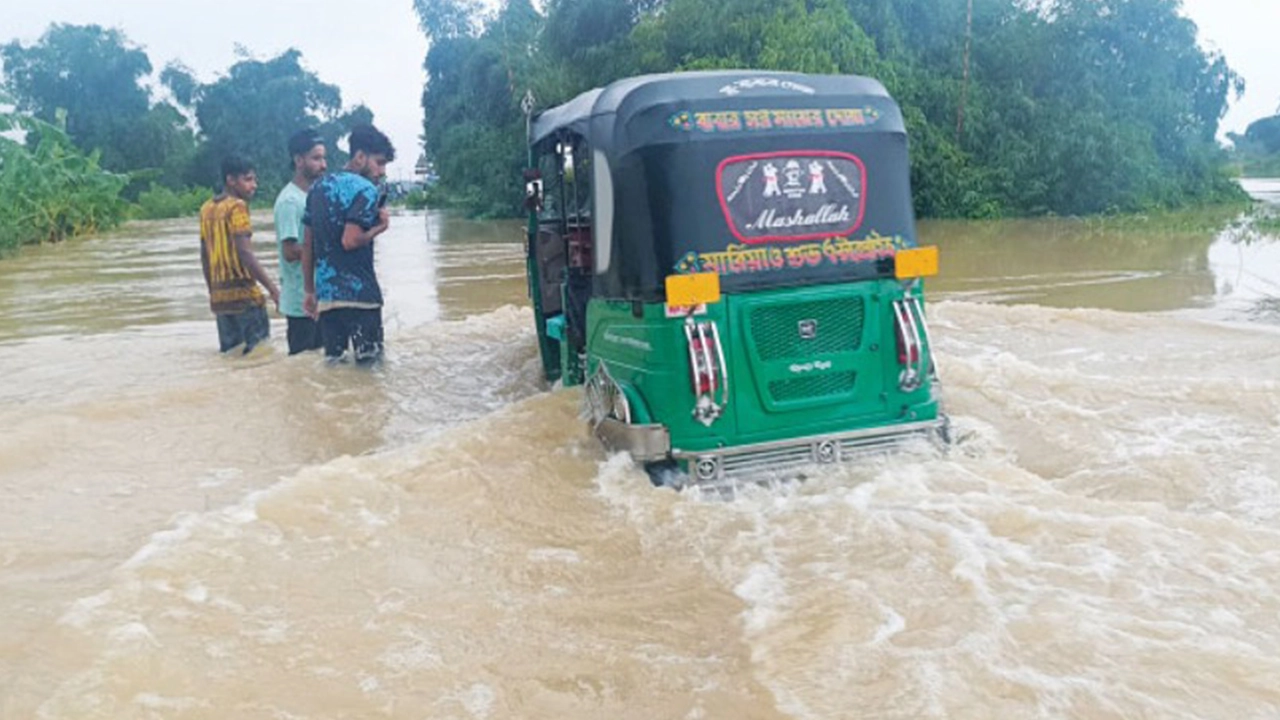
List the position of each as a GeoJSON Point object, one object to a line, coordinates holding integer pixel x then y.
{"type": "Point", "coordinates": [708, 363]}
{"type": "Point", "coordinates": [910, 379]}
{"type": "Point", "coordinates": [924, 328]}
{"type": "Point", "coordinates": [915, 338]}
{"type": "Point", "coordinates": [724, 369]}
{"type": "Point", "coordinates": [693, 356]}
{"type": "Point", "coordinates": [888, 434]}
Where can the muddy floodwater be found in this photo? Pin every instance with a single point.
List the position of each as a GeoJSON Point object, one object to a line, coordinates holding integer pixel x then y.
{"type": "Point", "coordinates": [185, 536]}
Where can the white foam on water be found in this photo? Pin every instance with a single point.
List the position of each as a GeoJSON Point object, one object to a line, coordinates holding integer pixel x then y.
{"type": "Point", "coordinates": [159, 703]}
{"type": "Point", "coordinates": [83, 611]}
{"type": "Point", "coordinates": [1027, 572]}
{"type": "Point", "coordinates": [763, 591]}
{"type": "Point", "coordinates": [131, 638]}
{"type": "Point", "coordinates": [414, 653]}
{"type": "Point", "coordinates": [478, 700]}
{"type": "Point", "coordinates": [369, 684]}
{"type": "Point", "coordinates": [892, 625]}
{"type": "Point", "coordinates": [1088, 548]}
{"type": "Point", "coordinates": [196, 593]}
{"type": "Point", "coordinates": [554, 555]}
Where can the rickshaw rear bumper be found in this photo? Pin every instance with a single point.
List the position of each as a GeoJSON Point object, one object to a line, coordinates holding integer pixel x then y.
{"type": "Point", "coordinates": [779, 457]}
{"type": "Point", "coordinates": [648, 443]}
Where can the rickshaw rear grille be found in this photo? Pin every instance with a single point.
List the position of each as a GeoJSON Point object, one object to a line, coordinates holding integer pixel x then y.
{"type": "Point", "coordinates": [836, 326]}
{"type": "Point", "coordinates": [812, 387]}
{"type": "Point", "coordinates": [768, 461]}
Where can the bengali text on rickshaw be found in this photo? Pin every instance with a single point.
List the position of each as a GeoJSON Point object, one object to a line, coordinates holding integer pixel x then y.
{"type": "Point", "coordinates": [747, 259]}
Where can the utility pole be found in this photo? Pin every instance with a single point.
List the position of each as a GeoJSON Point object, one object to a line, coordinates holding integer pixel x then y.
{"type": "Point", "coordinates": [964, 87]}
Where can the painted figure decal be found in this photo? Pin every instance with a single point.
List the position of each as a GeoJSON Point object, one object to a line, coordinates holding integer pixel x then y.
{"type": "Point", "coordinates": [787, 196]}
{"type": "Point", "coordinates": [771, 180]}
{"type": "Point", "coordinates": [794, 187]}
{"type": "Point", "coordinates": [817, 179]}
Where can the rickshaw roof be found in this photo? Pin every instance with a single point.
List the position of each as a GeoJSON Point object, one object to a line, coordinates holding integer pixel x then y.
{"type": "Point", "coordinates": [596, 113]}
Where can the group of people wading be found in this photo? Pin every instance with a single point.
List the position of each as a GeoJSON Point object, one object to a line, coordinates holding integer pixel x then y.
{"type": "Point", "coordinates": [325, 226]}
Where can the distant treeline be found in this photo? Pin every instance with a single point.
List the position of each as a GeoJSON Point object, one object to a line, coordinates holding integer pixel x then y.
{"type": "Point", "coordinates": [97, 145]}
{"type": "Point", "coordinates": [1257, 151]}
{"type": "Point", "coordinates": [1014, 107]}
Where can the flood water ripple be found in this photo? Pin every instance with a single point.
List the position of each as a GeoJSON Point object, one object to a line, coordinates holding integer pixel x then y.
{"type": "Point", "coordinates": [189, 536]}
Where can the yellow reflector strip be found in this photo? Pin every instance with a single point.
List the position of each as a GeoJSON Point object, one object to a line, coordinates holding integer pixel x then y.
{"type": "Point", "coordinates": [916, 262]}
{"type": "Point", "coordinates": [691, 290]}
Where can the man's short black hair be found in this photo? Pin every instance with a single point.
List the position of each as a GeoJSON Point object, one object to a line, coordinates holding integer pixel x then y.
{"type": "Point", "coordinates": [301, 142]}
{"type": "Point", "coordinates": [235, 165]}
{"type": "Point", "coordinates": [371, 141]}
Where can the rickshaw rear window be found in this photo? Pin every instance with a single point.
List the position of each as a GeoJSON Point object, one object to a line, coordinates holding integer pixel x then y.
{"type": "Point", "coordinates": [799, 195]}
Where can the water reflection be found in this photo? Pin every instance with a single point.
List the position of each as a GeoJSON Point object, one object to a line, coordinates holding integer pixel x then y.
{"type": "Point", "coordinates": [1266, 190]}
{"type": "Point", "coordinates": [408, 267]}
{"type": "Point", "coordinates": [1136, 265]}
{"type": "Point", "coordinates": [431, 267]}
{"type": "Point", "coordinates": [481, 264]}
{"type": "Point", "coordinates": [485, 543]}
{"type": "Point", "coordinates": [1065, 262]}
{"type": "Point", "coordinates": [1245, 260]}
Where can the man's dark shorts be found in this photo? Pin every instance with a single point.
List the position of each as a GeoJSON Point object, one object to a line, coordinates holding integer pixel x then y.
{"type": "Point", "coordinates": [357, 327]}
{"type": "Point", "coordinates": [247, 328]}
{"type": "Point", "coordinates": [304, 335]}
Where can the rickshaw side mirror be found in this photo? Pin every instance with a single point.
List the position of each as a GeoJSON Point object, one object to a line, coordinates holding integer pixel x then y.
{"type": "Point", "coordinates": [532, 190]}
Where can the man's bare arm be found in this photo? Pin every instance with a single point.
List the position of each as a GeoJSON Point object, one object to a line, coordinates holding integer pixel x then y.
{"type": "Point", "coordinates": [308, 263]}
{"type": "Point", "coordinates": [244, 246]}
{"type": "Point", "coordinates": [204, 264]}
{"type": "Point", "coordinates": [309, 273]}
{"type": "Point", "coordinates": [292, 249]}
{"type": "Point", "coordinates": [354, 237]}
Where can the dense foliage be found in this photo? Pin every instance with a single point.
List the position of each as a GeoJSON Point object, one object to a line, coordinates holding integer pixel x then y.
{"type": "Point", "coordinates": [92, 126]}
{"type": "Point", "coordinates": [254, 108]}
{"type": "Point", "coordinates": [92, 79]}
{"type": "Point", "coordinates": [1257, 151]}
{"type": "Point", "coordinates": [49, 190]}
{"type": "Point", "coordinates": [1059, 106]}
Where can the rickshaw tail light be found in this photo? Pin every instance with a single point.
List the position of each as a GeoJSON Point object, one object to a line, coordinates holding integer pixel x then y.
{"type": "Point", "coordinates": [707, 370]}
{"type": "Point", "coordinates": [703, 383]}
{"type": "Point", "coordinates": [903, 358]}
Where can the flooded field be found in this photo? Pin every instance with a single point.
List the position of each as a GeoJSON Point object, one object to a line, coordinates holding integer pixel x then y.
{"type": "Point", "coordinates": [189, 536]}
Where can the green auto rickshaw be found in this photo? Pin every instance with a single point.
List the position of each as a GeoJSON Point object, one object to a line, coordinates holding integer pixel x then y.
{"type": "Point", "coordinates": [727, 260]}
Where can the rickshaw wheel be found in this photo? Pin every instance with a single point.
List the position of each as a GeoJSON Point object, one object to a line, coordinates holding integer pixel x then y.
{"type": "Point", "coordinates": [942, 434]}
{"type": "Point", "coordinates": [666, 474]}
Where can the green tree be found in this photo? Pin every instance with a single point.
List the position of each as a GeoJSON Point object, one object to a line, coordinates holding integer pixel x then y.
{"type": "Point", "coordinates": [252, 111]}
{"type": "Point", "coordinates": [89, 80]}
{"type": "Point", "coordinates": [1265, 133]}
{"type": "Point", "coordinates": [1069, 106]}
{"type": "Point", "coordinates": [473, 126]}
{"type": "Point", "coordinates": [49, 190]}
{"type": "Point", "coordinates": [1257, 150]}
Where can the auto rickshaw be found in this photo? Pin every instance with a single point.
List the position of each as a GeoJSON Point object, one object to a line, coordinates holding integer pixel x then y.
{"type": "Point", "coordinates": [727, 260]}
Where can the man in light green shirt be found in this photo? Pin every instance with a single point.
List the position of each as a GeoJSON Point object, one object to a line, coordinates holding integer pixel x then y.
{"type": "Point", "coordinates": [307, 149]}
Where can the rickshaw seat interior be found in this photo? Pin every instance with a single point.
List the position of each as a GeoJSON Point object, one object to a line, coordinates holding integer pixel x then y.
{"type": "Point", "coordinates": [551, 263]}
{"type": "Point", "coordinates": [564, 271]}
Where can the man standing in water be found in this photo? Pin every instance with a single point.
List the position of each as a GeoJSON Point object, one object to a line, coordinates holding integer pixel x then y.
{"type": "Point", "coordinates": [306, 148]}
{"type": "Point", "coordinates": [231, 270]}
{"type": "Point", "coordinates": [344, 215]}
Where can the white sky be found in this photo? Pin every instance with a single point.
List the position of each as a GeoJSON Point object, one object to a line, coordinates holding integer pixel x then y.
{"type": "Point", "coordinates": [373, 49]}
{"type": "Point", "coordinates": [1245, 32]}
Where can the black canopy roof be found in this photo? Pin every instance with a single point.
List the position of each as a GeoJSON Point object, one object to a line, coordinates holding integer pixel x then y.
{"type": "Point", "coordinates": [604, 115]}
{"type": "Point", "coordinates": [808, 175]}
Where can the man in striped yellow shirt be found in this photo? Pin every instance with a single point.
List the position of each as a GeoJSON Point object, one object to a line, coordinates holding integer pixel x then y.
{"type": "Point", "coordinates": [231, 270]}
